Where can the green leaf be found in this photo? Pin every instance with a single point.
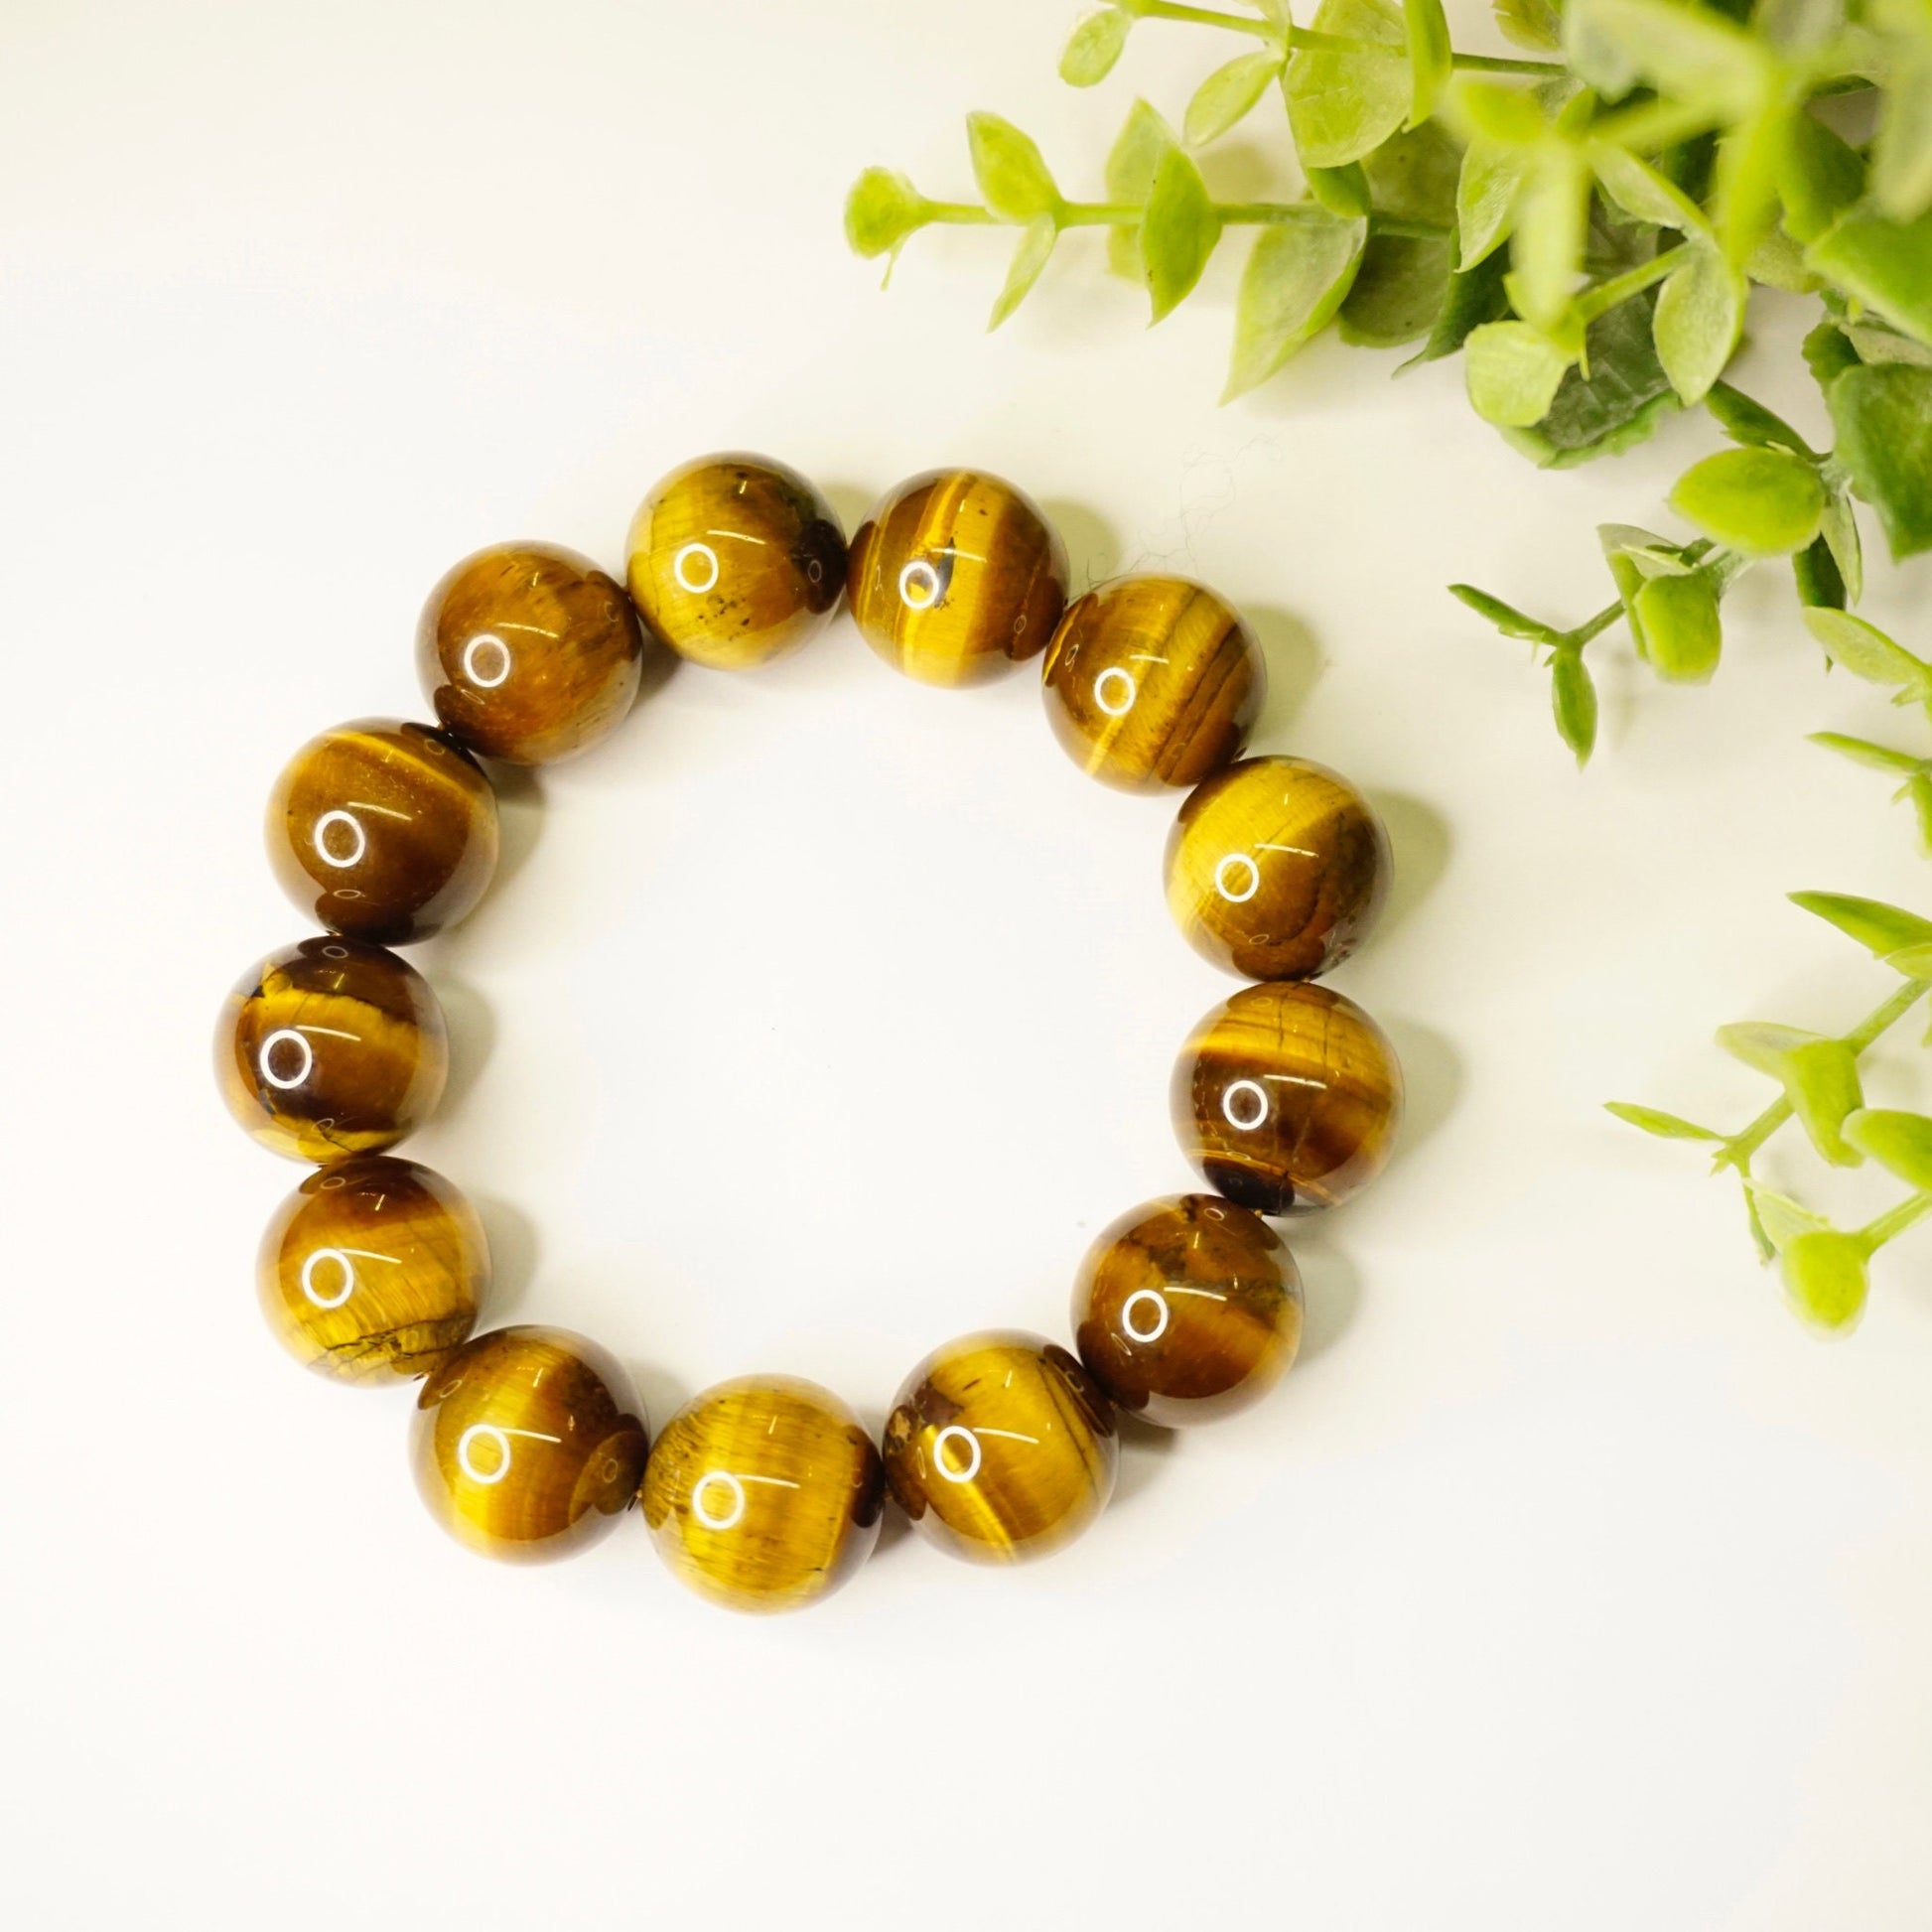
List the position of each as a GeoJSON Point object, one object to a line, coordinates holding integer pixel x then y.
{"type": "Point", "coordinates": [1619, 403]}
{"type": "Point", "coordinates": [1683, 634]}
{"type": "Point", "coordinates": [1782, 1219]}
{"type": "Point", "coordinates": [883, 209]}
{"type": "Point", "coordinates": [1094, 45]}
{"type": "Point", "coordinates": [1429, 56]}
{"type": "Point", "coordinates": [1344, 101]}
{"type": "Point", "coordinates": [1819, 176]}
{"type": "Point", "coordinates": [1839, 536]}
{"type": "Point", "coordinates": [1902, 157]}
{"type": "Point", "coordinates": [1824, 1276]}
{"type": "Point", "coordinates": [1761, 503]}
{"type": "Point", "coordinates": [1228, 94]}
{"type": "Point", "coordinates": [1879, 341]}
{"type": "Point", "coordinates": [1861, 750]}
{"type": "Point", "coordinates": [1777, 262]}
{"type": "Point", "coordinates": [1821, 1080]}
{"type": "Point", "coordinates": [1699, 318]}
{"type": "Point", "coordinates": [1504, 116]}
{"type": "Point", "coordinates": [1666, 1127]}
{"type": "Point", "coordinates": [1413, 174]}
{"type": "Point", "coordinates": [1511, 621]}
{"type": "Point", "coordinates": [1298, 276]}
{"type": "Point", "coordinates": [1915, 962]}
{"type": "Point", "coordinates": [1342, 191]}
{"type": "Point", "coordinates": [1884, 264]}
{"type": "Point", "coordinates": [1900, 1143]}
{"type": "Point", "coordinates": [1485, 198]}
{"type": "Point", "coordinates": [1751, 423]}
{"type": "Point", "coordinates": [1884, 930]}
{"type": "Point", "coordinates": [1533, 24]}
{"type": "Point", "coordinates": [1883, 419]}
{"type": "Point", "coordinates": [1642, 193]}
{"type": "Point", "coordinates": [1036, 245]}
{"type": "Point", "coordinates": [1746, 195]}
{"type": "Point", "coordinates": [1684, 50]}
{"type": "Point", "coordinates": [1573, 697]}
{"type": "Point", "coordinates": [1473, 297]}
{"type": "Point", "coordinates": [1920, 794]}
{"type": "Point", "coordinates": [1866, 653]}
{"type": "Point", "coordinates": [1513, 372]}
{"type": "Point", "coordinates": [1143, 141]}
{"type": "Point", "coordinates": [1398, 292]}
{"type": "Point", "coordinates": [1829, 354]}
{"type": "Point", "coordinates": [1765, 1046]}
{"type": "Point", "coordinates": [1012, 179]}
{"type": "Point", "coordinates": [1816, 574]}
{"type": "Point", "coordinates": [1547, 244]}
{"type": "Point", "coordinates": [1178, 230]}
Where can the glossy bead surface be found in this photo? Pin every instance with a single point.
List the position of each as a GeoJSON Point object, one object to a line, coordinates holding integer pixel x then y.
{"type": "Point", "coordinates": [529, 652]}
{"type": "Point", "coordinates": [1276, 869]}
{"type": "Point", "coordinates": [733, 559]}
{"type": "Point", "coordinates": [956, 577]}
{"type": "Point", "coordinates": [1001, 1447]}
{"type": "Point", "coordinates": [371, 1270]}
{"type": "Point", "coordinates": [331, 1047]}
{"type": "Point", "coordinates": [527, 1443]}
{"type": "Point", "coordinates": [764, 1493]}
{"type": "Point", "coordinates": [1188, 1309]}
{"type": "Point", "coordinates": [1153, 681]}
{"type": "Point", "coordinates": [382, 830]}
{"type": "Point", "coordinates": [1287, 1097]}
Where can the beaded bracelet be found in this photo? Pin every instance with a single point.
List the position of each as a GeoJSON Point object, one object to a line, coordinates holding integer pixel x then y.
{"type": "Point", "coordinates": [765, 1493]}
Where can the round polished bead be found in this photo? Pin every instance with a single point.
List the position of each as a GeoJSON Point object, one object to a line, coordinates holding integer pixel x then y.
{"type": "Point", "coordinates": [331, 1047]}
{"type": "Point", "coordinates": [956, 577]}
{"type": "Point", "coordinates": [527, 1443]}
{"type": "Point", "coordinates": [1277, 869]}
{"type": "Point", "coordinates": [529, 652]}
{"type": "Point", "coordinates": [733, 559]}
{"type": "Point", "coordinates": [1153, 681]}
{"type": "Point", "coordinates": [372, 1268]}
{"type": "Point", "coordinates": [764, 1493]}
{"type": "Point", "coordinates": [1001, 1447]}
{"type": "Point", "coordinates": [1188, 1309]}
{"type": "Point", "coordinates": [382, 830]}
{"type": "Point", "coordinates": [1287, 1097]}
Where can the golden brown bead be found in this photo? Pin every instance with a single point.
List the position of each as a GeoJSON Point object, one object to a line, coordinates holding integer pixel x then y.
{"type": "Point", "coordinates": [1188, 1309]}
{"type": "Point", "coordinates": [956, 576]}
{"type": "Point", "coordinates": [372, 1268]}
{"type": "Point", "coordinates": [1277, 869]}
{"type": "Point", "coordinates": [1287, 1097]}
{"type": "Point", "coordinates": [733, 559]}
{"type": "Point", "coordinates": [764, 1493]}
{"type": "Point", "coordinates": [331, 1047]}
{"type": "Point", "coordinates": [1001, 1447]}
{"type": "Point", "coordinates": [529, 652]}
{"type": "Point", "coordinates": [1153, 681]}
{"type": "Point", "coordinates": [527, 1443]}
{"type": "Point", "coordinates": [382, 830]}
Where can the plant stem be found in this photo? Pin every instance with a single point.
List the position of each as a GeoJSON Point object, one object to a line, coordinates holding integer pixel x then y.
{"type": "Point", "coordinates": [1501, 63]}
{"type": "Point", "coordinates": [1634, 281]}
{"type": "Point", "coordinates": [1655, 124]}
{"type": "Point", "coordinates": [1876, 1233]}
{"type": "Point", "coordinates": [1202, 17]}
{"type": "Point", "coordinates": [961, 211]}
{"type": "Point", "coordinates": [1266, 30]}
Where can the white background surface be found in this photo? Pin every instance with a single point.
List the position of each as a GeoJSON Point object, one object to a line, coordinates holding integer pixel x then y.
{"type": "Point", "coordinates": [821, 1016]}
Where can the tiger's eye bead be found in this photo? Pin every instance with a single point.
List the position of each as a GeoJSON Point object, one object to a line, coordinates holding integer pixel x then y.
{"type": "Point", "coordinates": [529, 652]}
{"type": "Point", "coordinates": [764, 1493]}
{"type": "Point", "coordinates": [1153, 681]}
{"type": "Point", "coordinates": [733, 559]}
{"type": "Point", "coordinates": [956, 577]}
{"type": "Point", "coordinates": [331, 1047]}
{"type": "Point", "coordinates": [382, 830]}
{"type": "Point", "coordinates": [1188, 1309]}
{"type": "Point", "coordinates": [527, 1443]}
{"type": "Point", "coordinates": [1001, 1447]}
{"type": "Point", "coordinates": [1277, 869]}
{"type": "Point", "coordinates": [372, 1268]}
{"type": "Point", "coordinates": [1287, 1097]}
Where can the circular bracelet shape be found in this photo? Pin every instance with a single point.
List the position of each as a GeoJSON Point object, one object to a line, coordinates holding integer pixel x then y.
{"type": "Point", "coordinates": [765, 1493]}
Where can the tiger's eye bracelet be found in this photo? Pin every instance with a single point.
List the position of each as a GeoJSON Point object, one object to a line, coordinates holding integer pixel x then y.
{"type": "Point", "coordinates": [765, 1493]}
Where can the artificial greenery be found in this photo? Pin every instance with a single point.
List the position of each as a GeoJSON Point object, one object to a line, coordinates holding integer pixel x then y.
{"type": "Point", "coordinates": [1586, 224]}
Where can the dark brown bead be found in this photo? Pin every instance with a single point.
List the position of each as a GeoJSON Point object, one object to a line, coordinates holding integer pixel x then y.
{"type": "Point", "coordinates": [382, 830]}
{"type": "Point", "coordinates": [1153, 681]}
{"type": "Point", "coordinates": [1277, 869]}
{"type": "Point", "coordinates": [735, 559]}
{"type": "Point", "coordinates": [331, 1047]}
{"type": "Point", "coordinates": [1287, 1097]}
{"type": "Point", "coordinates": [372, 1268]}
{"type": "Point", "coordinates": [1188, 1309]}
{"type": "Point", "coordinates": [529, 652]}
{"type": "Point", "coordinates": [956, 577]}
